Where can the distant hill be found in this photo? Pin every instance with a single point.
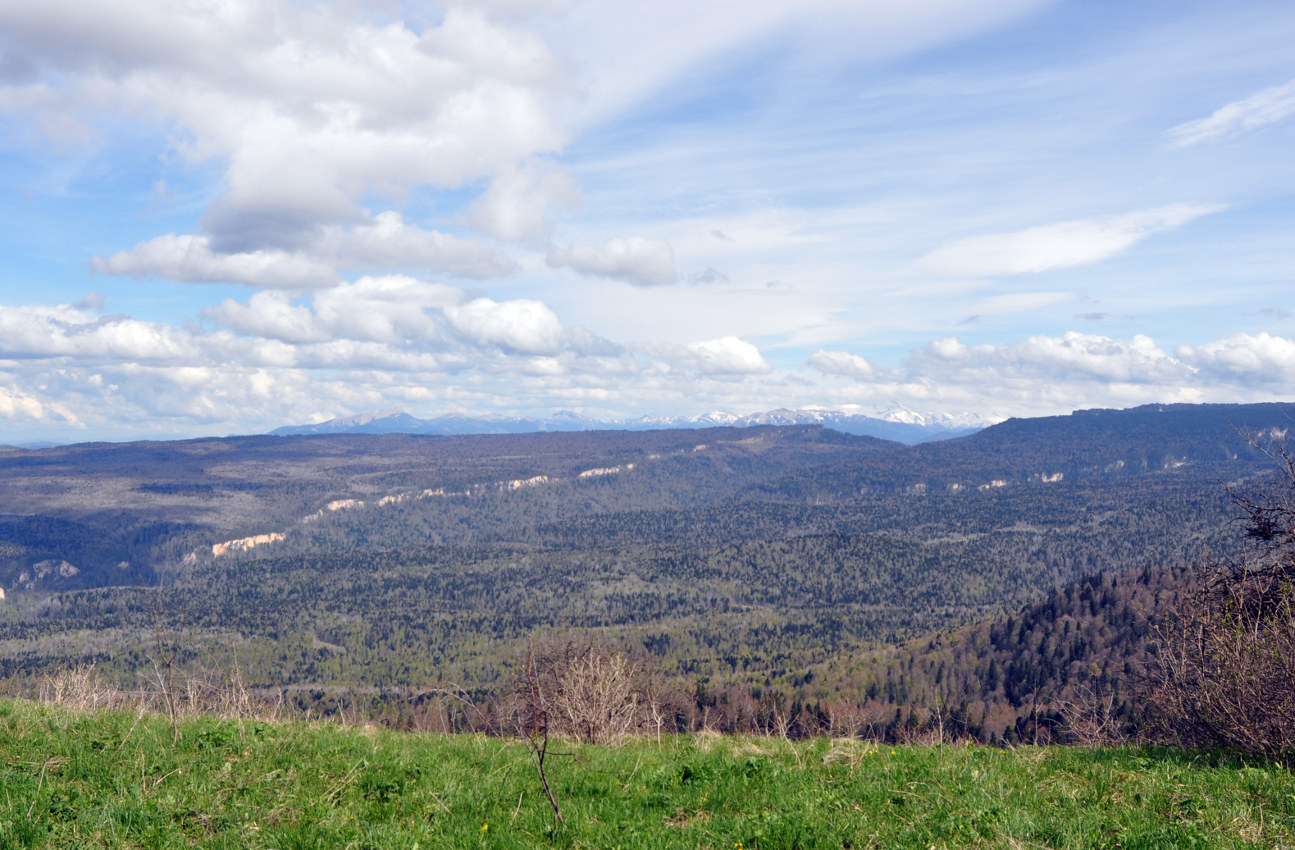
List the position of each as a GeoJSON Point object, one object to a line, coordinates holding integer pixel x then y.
{"type": "Point", "coordinates": [1084, 445]}
{"type": "Point", "coordinates": [901, 425]}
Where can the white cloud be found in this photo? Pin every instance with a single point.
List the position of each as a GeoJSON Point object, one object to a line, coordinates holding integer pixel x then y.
{"type": "Point", "coordinates": [841, 363]}
{"type": "Point", "coordinates": [1058, 246]}
{"type": "Point", "coordinates": [1259, 109]}
{"type": "Point", "coordinates": [234, 397]}
{"type": "Point", "coordinates": [529, 327]}
{"type": "Point", "coordinates": [64, 331]}
{"type": "Point", "coordinates": [16, 404]}
{"type": "Point", "coordinates": [518, 203]}
{"type": "Point", "coordinates": [637, 261]}
{"type": "Point", "coordinates": [1261, 357]}
{"type": "Point", "coordinates": [269, 314]}
{"type": "Point", "coordinates": [630, 50]}
{"type": "Point", "coordinates": [386, 242]}
{"type": "Point", "coordinates": [389, 308]}
{"type": "Point", "coordinates": [190, 259]}
{"type": "Point", "coordinates": [1048, 375]}
{"type": "Point", "coordinates": [340, 140]}
{"type": "Point", "coordinates": [309, 108]}
{"type": "Point", "coordinates": [728, 356]}
{"type": "Point", "coordinates": [1072, 356]}
{"type": "Point", "coordinates": [583, 341]}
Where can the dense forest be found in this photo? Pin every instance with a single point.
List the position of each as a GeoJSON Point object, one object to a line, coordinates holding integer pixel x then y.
{"type": "Point", "coordinates": [998, 584]}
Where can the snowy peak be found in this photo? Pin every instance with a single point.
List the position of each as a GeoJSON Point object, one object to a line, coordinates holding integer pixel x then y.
{"type": "Point", "coordinates": [391, 421]}
{"type": "Point", "coordinates": [956, 421]}
{"type": "Point", "coordinates": [899, 424]}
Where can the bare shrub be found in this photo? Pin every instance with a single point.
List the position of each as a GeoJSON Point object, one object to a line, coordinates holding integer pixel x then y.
{"type": "Point", "coordinates": [597, 699]}
{"type": "Point", "coordinates": [82, 688]}
{"type": "Point", "coordinates": [208, 692]}
{"type": "Point", "coordinates": [1226, 672]}
{"type": "Point", "coordinates": [1225, 669]}
{"type": "Point", "coordinates": [1090, 717]}
{"type": "Point", "coordinates": [224, 693]}
{"type": "Point", "coordinates": [849, 751]}
{"type": "Point", "coordinates": [582, 691]}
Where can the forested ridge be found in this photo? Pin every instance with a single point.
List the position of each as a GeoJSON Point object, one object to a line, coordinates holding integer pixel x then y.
{"type": "Point", "coordinates": [1000, 579]}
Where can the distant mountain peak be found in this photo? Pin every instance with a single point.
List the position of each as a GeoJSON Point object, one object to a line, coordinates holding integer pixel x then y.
{"type": "Point", "coordinates": [899, 424]}
{"type": "Point", "coordinates": [371, 416]}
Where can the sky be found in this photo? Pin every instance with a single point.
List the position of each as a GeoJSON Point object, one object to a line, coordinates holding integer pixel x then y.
{"type": "Point", "coordinates": [222, 216]}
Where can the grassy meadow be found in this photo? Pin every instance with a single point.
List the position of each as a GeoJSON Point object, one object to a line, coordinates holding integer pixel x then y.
{"type": "Point", "coordinates": [73, 778]}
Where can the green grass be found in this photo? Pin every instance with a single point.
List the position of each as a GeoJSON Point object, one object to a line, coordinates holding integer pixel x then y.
{"type": "Point", "coordinates": [75, 779]}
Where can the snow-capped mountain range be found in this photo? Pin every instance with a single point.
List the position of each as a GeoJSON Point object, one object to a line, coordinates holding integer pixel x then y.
{"type": "Point", "coordinates": [898, 423]}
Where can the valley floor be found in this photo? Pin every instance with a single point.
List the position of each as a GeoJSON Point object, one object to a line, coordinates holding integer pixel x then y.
{"type": "Point", "coordinates": [108, 779]}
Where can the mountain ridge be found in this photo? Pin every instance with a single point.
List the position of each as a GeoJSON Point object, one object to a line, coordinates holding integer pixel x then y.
{"type": "Point", "coordinates": [898, 424]}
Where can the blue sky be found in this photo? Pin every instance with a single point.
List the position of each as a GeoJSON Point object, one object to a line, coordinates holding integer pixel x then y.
{"type": "Point", "coordinates": [223, 217]}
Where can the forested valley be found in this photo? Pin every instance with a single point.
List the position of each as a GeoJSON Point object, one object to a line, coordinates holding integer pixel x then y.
{"type": "Point", "coordinates": [1004, 586]}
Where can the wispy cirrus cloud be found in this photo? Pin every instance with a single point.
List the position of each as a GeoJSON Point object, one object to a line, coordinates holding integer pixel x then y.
{"type": "Point", "coordinates": [1250, 113]}
{"type": "Point", "coordinates": [1063, 245]}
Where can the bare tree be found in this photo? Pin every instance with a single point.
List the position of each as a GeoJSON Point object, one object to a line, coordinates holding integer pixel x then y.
{"type": "Point", "coordinates": [533, 716]}
{"type": "Point", "coordinates": [164, 663]}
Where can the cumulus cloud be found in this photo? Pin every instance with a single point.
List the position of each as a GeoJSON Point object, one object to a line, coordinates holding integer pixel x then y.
{"type": "Point", "coordinates": [65, 331]}
{"type": "Point", "coordinates": [269, 314]}
{"type": "Point", "coordinates": [390, 309]}
{"type": "Point", "coordinates": [1259, 109]}
{"type": "Point", "coordinates": [529, 327]}
{"type": "Point", "coordinates": [728, 356]}
{"type": "Point", "coordinates": [190, 259]}
{"type": "Point", "coordinates": [387, 308]}
{"type": "Point", "coordinates": [1260, 357]}
{"type": "Point", "coordinates": [841, 363]}
{"type": "Point", "coordinates": [385, 242]}
{"type": "Point", "coordinates": [1058, 246]}
{"type": "Point", "coordinates": [636, 261]}
{"type": "Point", "coordinates": [18, 405]}
{"type": "Point", "coordinates": [518, 203]}
{"type": "Point", "coordinates": [393, 323]}
{"type": "Point", "coordinates": [309, 108]}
